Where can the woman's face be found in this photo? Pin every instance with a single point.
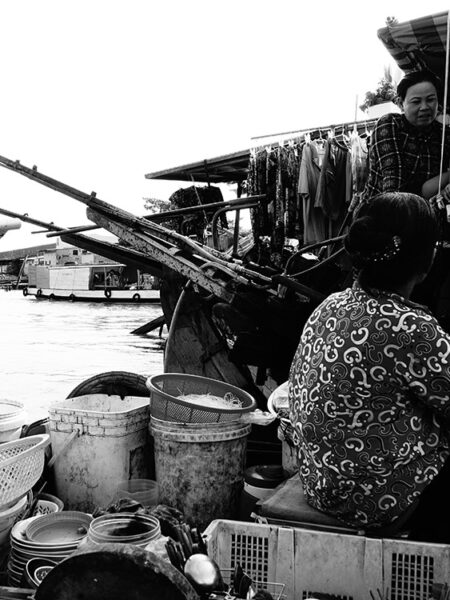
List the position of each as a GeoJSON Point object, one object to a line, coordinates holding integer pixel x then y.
{"type": "Point", "coordinates": [420, 105]}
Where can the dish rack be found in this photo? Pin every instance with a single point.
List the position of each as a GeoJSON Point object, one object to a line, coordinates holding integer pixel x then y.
{"type": "Point", "coordinates": [21, 465]}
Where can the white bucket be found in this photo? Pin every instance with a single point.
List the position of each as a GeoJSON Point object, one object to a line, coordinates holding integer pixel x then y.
{"type": "Point", "coordinates": [12, 419]}
{"type": "Point", "coordinates": [98, 441]}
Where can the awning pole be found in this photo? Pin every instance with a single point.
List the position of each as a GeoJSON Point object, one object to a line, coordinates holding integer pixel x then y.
{"type": "Point", "coordinates": [441, 168]}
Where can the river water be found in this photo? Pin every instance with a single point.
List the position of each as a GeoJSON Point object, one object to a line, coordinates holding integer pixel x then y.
{"type": "Point", "coordinates": [48, 348]}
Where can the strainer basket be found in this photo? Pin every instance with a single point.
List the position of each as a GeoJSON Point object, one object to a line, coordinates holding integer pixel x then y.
{"type": "Point", "coordinates": [166, 404]}
{"type": "Point", "coordinates": [21, 465]}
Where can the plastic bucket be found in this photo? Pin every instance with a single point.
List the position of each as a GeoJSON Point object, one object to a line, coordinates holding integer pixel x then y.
{"type": "Point", "coordinates": [12, 419]}
{"type": "Point", "coordinates": [99, 440]}
{"type": "Point", "coordinates": [200, 467]}
{"type": "Point", "coordinates": [144, 491]}
{"type": "Point", "coordinates": [260, 483]}
{"type": "Point", "coordinates": [124, 528]}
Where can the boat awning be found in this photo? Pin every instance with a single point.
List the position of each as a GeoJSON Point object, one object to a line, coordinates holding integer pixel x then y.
{"type": "Point", "coordinates": [229, 168]}
{"type": "Point", "coordinates": [419, 43]}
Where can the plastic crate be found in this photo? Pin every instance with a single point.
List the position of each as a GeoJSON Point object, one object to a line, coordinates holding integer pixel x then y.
{"type": "Point", "coordinates": [345, 567]}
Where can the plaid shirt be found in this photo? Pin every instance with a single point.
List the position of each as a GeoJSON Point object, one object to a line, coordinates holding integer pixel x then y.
{"type": "Point", "coordinates": [402, 157]}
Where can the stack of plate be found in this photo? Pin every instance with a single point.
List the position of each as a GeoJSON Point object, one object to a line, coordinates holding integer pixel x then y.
{"type": "Point", "coordinates": [55, 537]}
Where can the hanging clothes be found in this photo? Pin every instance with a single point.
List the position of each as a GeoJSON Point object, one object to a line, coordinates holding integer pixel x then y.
{"type": "Point", "coordinates": [257, 184]}
{"type": "Point", "coordinates": [313, 216]}
{"type": "Point", "coordinates": [331, 188]}
{"type": "Point", "coordinates": [289, 169]}
{"type": "Point", "coordinates": [360, 168]}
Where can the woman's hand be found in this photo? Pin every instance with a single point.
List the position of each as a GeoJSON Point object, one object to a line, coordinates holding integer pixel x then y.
{"type": "Point", "coordinates": [430, 187]}
{"type": "Point", "coordinates": [446, 193]}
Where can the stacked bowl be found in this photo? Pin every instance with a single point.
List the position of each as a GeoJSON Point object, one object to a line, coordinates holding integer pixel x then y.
{"type": "Point", "coordinates": [53, 536]}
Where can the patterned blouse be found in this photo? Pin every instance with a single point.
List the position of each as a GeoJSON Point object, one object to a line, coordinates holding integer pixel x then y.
{"type": "Point", "coordinates": [402, 157]}
{"type": "Point", "coordinates": [369, 397]}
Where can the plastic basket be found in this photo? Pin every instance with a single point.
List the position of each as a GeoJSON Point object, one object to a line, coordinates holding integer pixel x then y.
{"type": "Point", "coordinates": [45, 507]}
{"type": "Point", "coordinates": [166, 405]}
{"type": "Point", "coordinates": [314, 563]}
{"type": "Point", "coordinates": [21, 465]}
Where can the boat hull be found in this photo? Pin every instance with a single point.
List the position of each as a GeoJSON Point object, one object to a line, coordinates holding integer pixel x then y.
{"type": "Point", "coordinates": [107, 295]}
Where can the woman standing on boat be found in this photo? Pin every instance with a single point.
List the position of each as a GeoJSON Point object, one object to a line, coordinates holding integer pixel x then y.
{"type": "Point", "coordinates": [405, 149]}
{"type": "Point", "coordinates": [405, 155]}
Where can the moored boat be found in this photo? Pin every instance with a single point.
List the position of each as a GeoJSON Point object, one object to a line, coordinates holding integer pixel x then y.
{"type": "Point", "coordinates": [91, 283]}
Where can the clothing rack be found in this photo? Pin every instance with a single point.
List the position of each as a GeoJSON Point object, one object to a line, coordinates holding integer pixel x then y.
{"type": "Point", "coordinates": [315, 133]}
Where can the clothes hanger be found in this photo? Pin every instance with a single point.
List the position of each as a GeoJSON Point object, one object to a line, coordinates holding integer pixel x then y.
{"type": "Point", "coordinates": [345, 137]}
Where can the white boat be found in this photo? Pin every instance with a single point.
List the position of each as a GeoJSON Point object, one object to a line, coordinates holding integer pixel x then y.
{"type": "Point", "coordinates": [87, 282]}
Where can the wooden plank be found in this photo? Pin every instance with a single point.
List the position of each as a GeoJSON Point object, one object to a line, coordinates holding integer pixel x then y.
{"type": "Point", "coordinates": [150, 326]}
{"type": "Point", "coordinates": [169, 256]}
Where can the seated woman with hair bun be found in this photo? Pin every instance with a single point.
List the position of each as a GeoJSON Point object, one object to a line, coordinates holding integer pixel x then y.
{"type": "Point", "coordinates": [369, 386]}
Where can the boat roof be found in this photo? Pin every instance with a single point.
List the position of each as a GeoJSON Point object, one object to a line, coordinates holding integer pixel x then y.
{"type": "Point", "coordinates": [89, 265]}
{"type": "Point", "coordinates": [419, 43]}
{"type": "Point", "coordinates": [228, 168]}
{"type": "Point", "coordinates": [233, 168]}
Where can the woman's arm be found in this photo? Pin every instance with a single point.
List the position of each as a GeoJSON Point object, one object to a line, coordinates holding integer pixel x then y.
{"type": "Point", "coordinates": [385, 147]}
{"type": "Point", "coordinates": [425, 367]}
{"type": "Point", "coordinates": [430, 187]}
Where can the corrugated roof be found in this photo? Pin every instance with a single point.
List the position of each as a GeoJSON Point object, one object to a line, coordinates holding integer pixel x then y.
{"type": "Point", "coordinates": [8, 255]}
{"type": "Point", "coordinates": [229, 168]}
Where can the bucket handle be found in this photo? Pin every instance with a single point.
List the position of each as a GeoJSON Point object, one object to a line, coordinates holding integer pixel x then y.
{"type": "Point", "coordinates": [75, 433]}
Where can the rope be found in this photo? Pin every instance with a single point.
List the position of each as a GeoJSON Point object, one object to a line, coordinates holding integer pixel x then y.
{"type": "Point", "coordinates": [441, 167]}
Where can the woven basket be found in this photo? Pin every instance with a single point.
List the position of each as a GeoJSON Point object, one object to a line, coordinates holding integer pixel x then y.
{"type": "Point", "coordinates": [21, 465]}
{"type": "Point", "coordinates": [167, 406]}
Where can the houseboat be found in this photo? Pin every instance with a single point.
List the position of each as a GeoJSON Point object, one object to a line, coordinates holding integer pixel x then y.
{"type": "Point", "coordinates": [91, 283]}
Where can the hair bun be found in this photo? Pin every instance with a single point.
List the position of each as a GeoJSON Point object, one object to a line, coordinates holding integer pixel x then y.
{"type": "Point", "coordinates": [366, 238]}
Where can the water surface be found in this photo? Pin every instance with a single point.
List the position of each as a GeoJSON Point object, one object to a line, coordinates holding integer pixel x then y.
{"type": "Point", "coordinates": [48, 348]}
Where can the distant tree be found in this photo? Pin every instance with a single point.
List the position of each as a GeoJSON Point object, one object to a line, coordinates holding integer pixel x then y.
{"type": "Point", "coordinates": [384, 92]}
{"type": "Point", "coordinates": [155, 205]}
{"type": "Point", "coordinates": [391, 21]}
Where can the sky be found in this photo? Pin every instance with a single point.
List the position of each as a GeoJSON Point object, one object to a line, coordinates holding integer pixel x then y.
{"type": "Point", "coordinates": [97, 93]}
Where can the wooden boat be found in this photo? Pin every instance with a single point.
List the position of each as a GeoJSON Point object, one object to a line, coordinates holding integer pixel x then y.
{"type": "Point", "coordinates": [90, 283]}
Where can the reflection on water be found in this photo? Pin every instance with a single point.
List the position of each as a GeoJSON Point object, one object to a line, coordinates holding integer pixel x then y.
{"type": "Point", "coordinates": [48, 348]}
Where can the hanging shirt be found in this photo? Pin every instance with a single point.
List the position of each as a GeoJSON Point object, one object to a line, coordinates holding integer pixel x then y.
{"type": "Point", "coordinates": [315, 227]}
{"type": "Point", "coordinates": [359, 165]}
{"type": "Point", "coordinates": [369, 397]}
{"type": "Point", "coordinates": [402, 157]}
{"type": "Point", "coordinates": [331, 188]}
